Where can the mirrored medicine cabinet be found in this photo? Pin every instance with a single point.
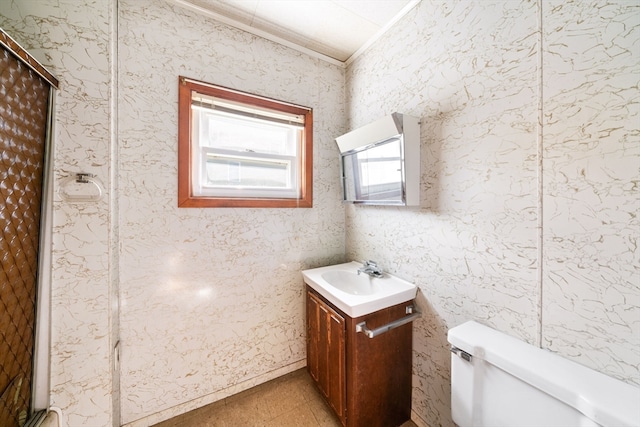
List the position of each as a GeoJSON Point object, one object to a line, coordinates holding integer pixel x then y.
{"type": "Point", "coordinates": [380, 162]}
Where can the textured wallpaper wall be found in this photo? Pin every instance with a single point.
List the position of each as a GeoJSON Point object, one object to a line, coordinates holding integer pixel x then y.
{"type": "Point", "coordinates": [74, 41]}
{"type": "Point", "coordinates": [530, 154]}
{"type": "Point", "coordinates": [212, 299]}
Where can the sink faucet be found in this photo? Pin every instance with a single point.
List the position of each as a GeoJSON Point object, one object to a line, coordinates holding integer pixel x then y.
{"type": "Point", "coordinates": [371, 268]}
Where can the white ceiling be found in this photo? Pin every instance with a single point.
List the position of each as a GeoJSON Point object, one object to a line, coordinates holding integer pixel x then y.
{"type": "Point", "coordinates": [337, 29]}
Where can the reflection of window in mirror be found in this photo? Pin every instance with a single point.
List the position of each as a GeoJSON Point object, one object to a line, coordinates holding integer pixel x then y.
{"type": "Point", "coordinates": [375, 173]}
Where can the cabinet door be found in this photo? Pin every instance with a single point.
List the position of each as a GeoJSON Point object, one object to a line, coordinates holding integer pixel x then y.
{"type": "Point", "coordinates": [326, 352]}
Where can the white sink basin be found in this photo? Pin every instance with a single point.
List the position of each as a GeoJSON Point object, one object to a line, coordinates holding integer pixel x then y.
{"type": "Point", "coordinates": [358, 294]}
{"type": "Point", "coordinates": [350, 282]}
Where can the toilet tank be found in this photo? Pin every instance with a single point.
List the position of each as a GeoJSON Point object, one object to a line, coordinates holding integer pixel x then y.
{"type": "Point", "coordinates": [498, 380]}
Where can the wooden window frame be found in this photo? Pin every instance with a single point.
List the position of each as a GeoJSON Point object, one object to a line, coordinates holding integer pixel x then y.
{"type": "Point", "coordinates": [186, 198]}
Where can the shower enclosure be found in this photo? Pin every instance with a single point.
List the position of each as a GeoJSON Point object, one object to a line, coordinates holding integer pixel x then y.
{"type": "Point", "coordinates": [26, 98]}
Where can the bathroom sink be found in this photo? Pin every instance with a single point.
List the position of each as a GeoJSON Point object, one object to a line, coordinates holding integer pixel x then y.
{"type": "Point", "coordinates": [350, 282]}
{"type": "Point", "coordinates": [358, 294]}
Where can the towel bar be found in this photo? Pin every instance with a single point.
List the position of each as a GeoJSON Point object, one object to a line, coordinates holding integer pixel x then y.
{"type": "Point", "coordinates": [362, 326]}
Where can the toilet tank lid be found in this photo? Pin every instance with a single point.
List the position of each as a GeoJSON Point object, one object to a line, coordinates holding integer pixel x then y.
{"type": "Point", "coordinates": [605, 400]}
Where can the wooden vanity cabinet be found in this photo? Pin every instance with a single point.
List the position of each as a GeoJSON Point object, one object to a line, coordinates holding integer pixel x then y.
{"type": "Point", "coordinates": [325, 352]}
{"type": "Point", "coordinates": [367, 381]}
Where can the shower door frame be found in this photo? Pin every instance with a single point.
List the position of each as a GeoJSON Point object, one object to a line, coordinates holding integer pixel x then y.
{"type": "Point", "coordinates": [41, 371]}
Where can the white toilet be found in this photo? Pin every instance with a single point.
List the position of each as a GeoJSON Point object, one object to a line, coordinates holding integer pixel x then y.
{"type": "Point", "coordinates": [498, 380]}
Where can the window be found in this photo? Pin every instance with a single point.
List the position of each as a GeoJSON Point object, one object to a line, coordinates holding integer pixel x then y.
{"type": "Point", "coordinates": [240, 150]}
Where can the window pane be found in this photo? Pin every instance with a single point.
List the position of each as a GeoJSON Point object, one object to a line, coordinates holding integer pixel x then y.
{"type": "Point", "coordinates": [219, 130]}
{"type": "Point", "coordinates": [246, 172]}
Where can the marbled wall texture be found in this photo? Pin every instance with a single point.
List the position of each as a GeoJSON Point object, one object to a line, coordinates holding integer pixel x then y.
{"type": "Point", "coordinates": [531, 161]}
{"type": "Point", "coordinates": [211, 298]}
{"type": "Point", "coordinates": [73, 40]}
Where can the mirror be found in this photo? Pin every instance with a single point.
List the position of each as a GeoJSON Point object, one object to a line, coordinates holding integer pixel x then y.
{"type": "Point", "coordinates": [380, 162]}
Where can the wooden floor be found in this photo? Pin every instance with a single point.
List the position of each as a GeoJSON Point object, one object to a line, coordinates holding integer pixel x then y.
{"type": "Point", "coordinates": [288, 401]}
